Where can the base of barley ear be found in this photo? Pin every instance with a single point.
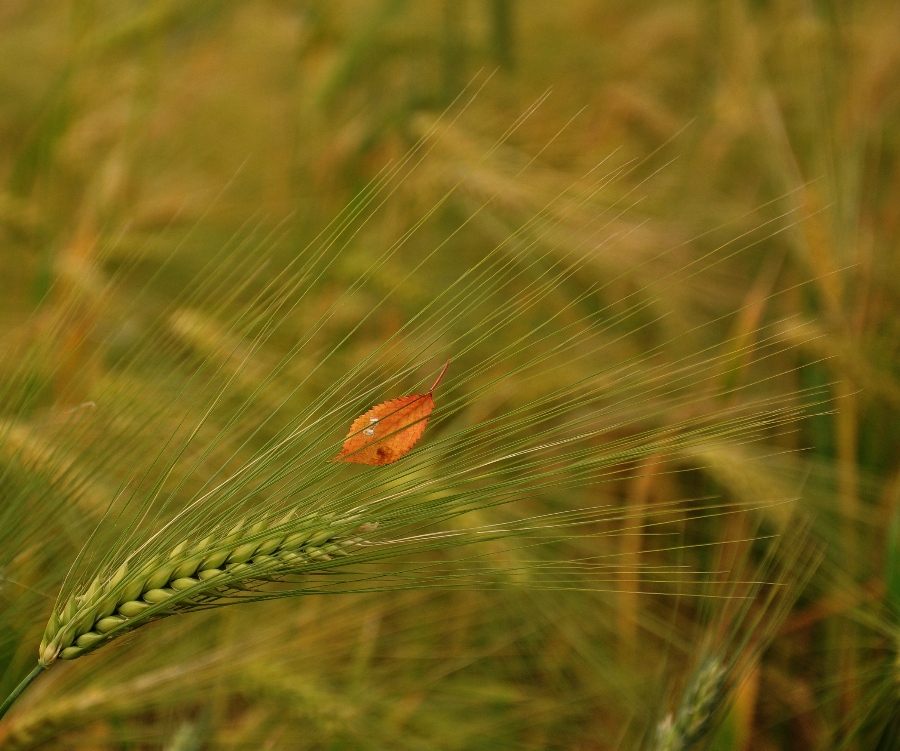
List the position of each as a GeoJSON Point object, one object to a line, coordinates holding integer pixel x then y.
{"type": "Point", "coordinates": [17, 691]}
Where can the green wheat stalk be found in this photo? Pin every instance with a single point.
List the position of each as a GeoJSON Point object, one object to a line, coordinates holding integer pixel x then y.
{"type": "Point", "coordinates": [302, 517]}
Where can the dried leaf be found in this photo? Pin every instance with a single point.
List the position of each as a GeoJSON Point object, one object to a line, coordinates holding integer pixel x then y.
{"type": "Point", "coordinates": [389, 430]}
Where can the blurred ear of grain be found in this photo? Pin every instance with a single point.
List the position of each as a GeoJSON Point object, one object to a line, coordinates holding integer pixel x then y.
{"type": "Point", "coordinates": [131, 129]}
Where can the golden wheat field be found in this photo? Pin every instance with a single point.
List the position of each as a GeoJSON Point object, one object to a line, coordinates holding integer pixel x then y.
{"type": "Point", "coordinates": [450, 374]}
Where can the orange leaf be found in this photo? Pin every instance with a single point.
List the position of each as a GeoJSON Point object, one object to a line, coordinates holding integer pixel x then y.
{"type": "Point", "coordinates": [388, 431]}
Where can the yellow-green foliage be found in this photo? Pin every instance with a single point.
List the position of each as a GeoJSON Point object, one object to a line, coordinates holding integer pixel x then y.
{"type": "Point", "coordinates": [659, 241]}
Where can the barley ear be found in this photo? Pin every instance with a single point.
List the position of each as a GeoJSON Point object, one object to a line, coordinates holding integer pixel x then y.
{"type": "Point", "coordinates": [703, 697]}
{"type": "Point", "coordinates": [193, 575]}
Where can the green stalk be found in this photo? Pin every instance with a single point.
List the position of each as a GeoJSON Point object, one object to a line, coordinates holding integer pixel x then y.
{"type": "Point", "coordinates": [16, 692]}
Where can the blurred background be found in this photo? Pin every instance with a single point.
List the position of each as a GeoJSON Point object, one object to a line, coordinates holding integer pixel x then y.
{"type": "Point", "coordinates": [131, 129]}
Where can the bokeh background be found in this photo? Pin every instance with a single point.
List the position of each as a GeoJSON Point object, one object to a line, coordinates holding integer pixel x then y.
{"type": "Point", "coordinates": [129, 129]}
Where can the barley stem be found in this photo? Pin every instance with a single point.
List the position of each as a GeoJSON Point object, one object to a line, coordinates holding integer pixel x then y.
{"type": "Point", "coordinates": [16, 692]}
